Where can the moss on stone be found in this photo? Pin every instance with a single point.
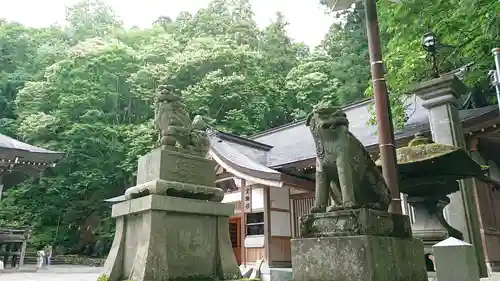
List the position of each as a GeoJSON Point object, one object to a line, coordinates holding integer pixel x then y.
{"type": "Point", "coordinates": [423, 152]}
{"type": "Point", "coordinates": [421, 149]}
{"type": "Point", "coordinates": [104, 277]}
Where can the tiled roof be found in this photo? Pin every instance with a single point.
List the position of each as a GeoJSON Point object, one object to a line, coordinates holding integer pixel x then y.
{"type": "Point", "coordinates": [293, 142]}
{"type": "Point", "coordinates": [246, 163]}
{"type": "Point", "coordinates": [31, 159]}
{"type": "Point", "coordinates": [11, 148]}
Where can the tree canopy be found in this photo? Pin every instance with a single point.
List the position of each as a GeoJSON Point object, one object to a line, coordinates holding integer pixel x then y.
{"type": "Point", "coordinates": [87, 89]}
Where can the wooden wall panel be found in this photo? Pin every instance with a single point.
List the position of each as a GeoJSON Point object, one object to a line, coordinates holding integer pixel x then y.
{"type": "Point", "coordinates": [254, 254]}
{"type": "Point", "coordinates": [488, 209]}
{"type": "Point", "coordinates": [280, 249]}
{"type": "Point", "coordinates": [300, 207]}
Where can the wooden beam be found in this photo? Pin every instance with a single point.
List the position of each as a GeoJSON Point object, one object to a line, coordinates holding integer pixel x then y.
{"type": "Point", "coordinates": [302, 195]}
{"type": "Point", "coordinates": [484, 132]}
{"type": "Point", "coordinates": [224, 176]}
{"type": "Point", "coordinates": [295, 182]}
{"type": "Point", "coordinates": [279, 210]}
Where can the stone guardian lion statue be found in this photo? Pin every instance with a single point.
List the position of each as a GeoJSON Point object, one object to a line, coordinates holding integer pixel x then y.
{"type": "Point", "coordinates": [174, 124]}
{"type": "Point", "coordinates": [344, 169]}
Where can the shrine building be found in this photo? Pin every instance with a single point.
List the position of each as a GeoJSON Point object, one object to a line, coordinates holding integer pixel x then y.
{"type": "Point", "coordinates": [269, 177]}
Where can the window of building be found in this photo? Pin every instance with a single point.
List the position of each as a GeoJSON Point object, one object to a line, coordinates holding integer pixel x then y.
{"type": "Point", "coordinates": [255, 223]}
{"type": "Point", "coordinates": [233, 233]}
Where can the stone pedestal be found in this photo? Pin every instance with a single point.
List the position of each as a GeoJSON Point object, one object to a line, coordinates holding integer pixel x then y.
{"type": "Point", "coordinates": [172, 225]}
{"type": "Point", "coordinates": [168, 238]}
{"type": "Point", "coordinates": [360, 245]}
{"type": "Point", "coordinates": [430, 225]}
{"type": "Point", "coordinates": [440, 97]}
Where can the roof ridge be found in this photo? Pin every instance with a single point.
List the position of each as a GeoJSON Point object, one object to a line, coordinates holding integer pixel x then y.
{"type": "Point", "coordinates": [243, 141]}
{"type": "Point", "coordinates": [302, 120]}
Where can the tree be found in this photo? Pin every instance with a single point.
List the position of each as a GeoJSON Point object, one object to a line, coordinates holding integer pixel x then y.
{"type": "Point", "coordinates": [469, 27]}
{"type": "Point", "coordinates": [88, 89]}
{"type": "Point", "coordinates": [85, 108]}
{"type": "Point", "coordinates": [91, 18]}
{"type": "Point", "coordinates": [25, 51]}
{"type": "Point", "coordinates": [347, 45]}
{"type": "Point", "coordinates": [470, 36]}
{"type": "Point", "coordinates": [90, 93]}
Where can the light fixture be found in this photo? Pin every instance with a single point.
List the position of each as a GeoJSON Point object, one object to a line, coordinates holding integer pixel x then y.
{"type": "Point", "coordinates": [429, 42]}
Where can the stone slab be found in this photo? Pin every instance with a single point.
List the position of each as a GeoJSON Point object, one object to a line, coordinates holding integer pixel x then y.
{"type": "Point", "coordinates": [175, 189]}
{"type": "Point", "coordinates": [358, 258]}
{"type": "Point", "coordinates": [171, 204]}
{"type": "Point", "coordinates": [177, 166]}
{"type": "Point", "coordinates": [356, 222]}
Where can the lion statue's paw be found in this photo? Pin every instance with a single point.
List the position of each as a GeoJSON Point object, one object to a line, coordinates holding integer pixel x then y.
{"type": "Point", "coordinates": [318, 209]}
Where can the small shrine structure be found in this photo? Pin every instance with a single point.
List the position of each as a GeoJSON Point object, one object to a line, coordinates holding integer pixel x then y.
{"type": "Point", "coordinates": [18, 162]}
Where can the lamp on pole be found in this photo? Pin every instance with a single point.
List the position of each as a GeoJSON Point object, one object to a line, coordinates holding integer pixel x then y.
{"type": "Point", "coordinates": [429, 43]}
{"type": "Point", "coordinates": [382, 106]}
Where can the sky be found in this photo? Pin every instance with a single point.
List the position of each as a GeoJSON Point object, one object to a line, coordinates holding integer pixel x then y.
{"type": "Point", "coordinates": [307, 18]}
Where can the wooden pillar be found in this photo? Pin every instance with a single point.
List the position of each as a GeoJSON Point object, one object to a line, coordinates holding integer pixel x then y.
{"type": "Point", "coordinates": [23, 249]}
{"type": "Point", "coordinates": [267, 224]}
{"type": "Point", "coordinates": [243, 222]}
{"type": "Point", "coordinates": [292, 215]}
{"type": "Point", "coordinates": [473, 147]}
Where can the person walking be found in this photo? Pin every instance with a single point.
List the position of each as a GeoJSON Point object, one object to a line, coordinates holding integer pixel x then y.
{"type": "Point", "coordinates": [47, 255]}
{"type": "Point", "coordinates": [40, 259]}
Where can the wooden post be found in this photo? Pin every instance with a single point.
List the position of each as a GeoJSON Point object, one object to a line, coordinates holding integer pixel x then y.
{"type": "Point", "coordinates": [292, 215]}
{"type": "Point", "coordinates": [267, 224]}
{"type": "Point", "coordinates": [243, 223]}
{"type": "Point", "coordinates": [23, 249]}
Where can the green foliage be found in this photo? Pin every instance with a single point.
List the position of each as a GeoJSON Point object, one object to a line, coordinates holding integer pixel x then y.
{"type": "Point", "coordinates": [471, 28]}
{"type": "Point", "coordinates": [88, 90]}
{"type": "Point", "coordinates": [467, 29]}
{"type": "Point", "coordinates": [103, 277]}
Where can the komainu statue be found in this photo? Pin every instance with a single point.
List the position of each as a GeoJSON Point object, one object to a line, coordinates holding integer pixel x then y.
{"type": "Point", "coordinates": [174, 124]}
{"type": "Point", "coordinates": [344, 169]}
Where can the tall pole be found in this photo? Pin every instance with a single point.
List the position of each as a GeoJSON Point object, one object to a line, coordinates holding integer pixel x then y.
{"type": "Point", "coordinates": [382, 107]}
{"type": "Point", "coordinates": [1, 187]}
{"type": "Point", "coordinates": [496, 73]}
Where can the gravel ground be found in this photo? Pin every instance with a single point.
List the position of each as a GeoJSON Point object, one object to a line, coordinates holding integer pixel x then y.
{"type": "Point", "coordinates": [56, 273]}
{"type": "Point", "coordinates": [82, 273]}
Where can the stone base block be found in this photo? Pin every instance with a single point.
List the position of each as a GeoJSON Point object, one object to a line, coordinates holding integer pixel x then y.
{"type": "Point", "coordinates": [169, 238]}
{"type": "Point", "coordinates": [358, 258]}
{"type": "Point", "coordinates": [175, 189]}
{"type": "Point", "coordinates": [356, 222]}
{"type": "Point", "coordinates": [176, 166]}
